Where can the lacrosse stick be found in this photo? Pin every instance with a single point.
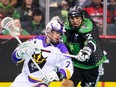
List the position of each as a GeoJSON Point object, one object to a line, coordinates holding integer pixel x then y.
{"type": "Point", "coordinates": [63, 54]}
{"type": "Point", "coordinates": [8, 24]}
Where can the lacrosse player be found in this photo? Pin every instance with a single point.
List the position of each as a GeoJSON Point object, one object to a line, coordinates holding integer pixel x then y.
{"type": "Point", "coordinates": [82, 39]}
{"type": "Point", "coordinates": [53, 67]}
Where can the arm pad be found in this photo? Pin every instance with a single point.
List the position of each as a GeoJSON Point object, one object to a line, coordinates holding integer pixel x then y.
{"type": "Point", "coordinates": [63, 73]}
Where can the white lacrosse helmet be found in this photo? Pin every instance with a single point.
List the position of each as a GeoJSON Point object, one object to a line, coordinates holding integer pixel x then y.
{"type": "Point", "coordinates": [54, 25]}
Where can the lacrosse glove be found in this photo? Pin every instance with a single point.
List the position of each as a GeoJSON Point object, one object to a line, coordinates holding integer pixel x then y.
{"type": "Point", "coordinates": [52, 76]}
{"type": "Point", "coordinates": [24, 50]}
{"type": "Point", "coordinates": [84, 54]}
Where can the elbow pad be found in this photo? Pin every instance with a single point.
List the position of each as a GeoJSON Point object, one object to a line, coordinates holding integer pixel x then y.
{"type": "Point", "coordinates": [63, 73]}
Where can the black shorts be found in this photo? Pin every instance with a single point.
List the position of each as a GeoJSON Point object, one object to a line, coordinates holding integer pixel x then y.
{"type": "Point", "coordinates": [87, 77]}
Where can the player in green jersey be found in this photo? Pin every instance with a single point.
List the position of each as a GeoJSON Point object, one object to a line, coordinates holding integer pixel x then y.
{"type": "Point", "coordinates": [82, 39]}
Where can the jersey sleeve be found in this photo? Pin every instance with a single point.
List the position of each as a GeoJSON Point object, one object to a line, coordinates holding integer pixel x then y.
{"type": "Point", "coordinates": [66, 69]}
{"type": "Point", "coordinates": [25, 44]}
{"type": "Point", "coordinates": [91, 40]}
{"type": "Point", "coordinates": [14, 56]}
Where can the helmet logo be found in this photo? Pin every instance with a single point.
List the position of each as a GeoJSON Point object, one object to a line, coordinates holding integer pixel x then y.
{"type": "Point", "coordinates": [56, 26]}
{"type": "Point", "coordinates": [76, 11]}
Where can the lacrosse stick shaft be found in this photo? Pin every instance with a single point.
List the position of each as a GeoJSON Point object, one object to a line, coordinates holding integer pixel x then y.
{"type": "Point", "coordinates": [63, 54]}
{"type": "Point", "coordinates": [68, 55]}
{"type": "Point", "coordinates": [17, 38]}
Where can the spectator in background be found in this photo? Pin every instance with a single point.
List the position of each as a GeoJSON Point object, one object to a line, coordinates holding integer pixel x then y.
{"type": "Point", "coordinates": [8, 10]}
{"type": "Point", "coordinates": [64, 6]}
{"type": "Point", "coordinates": [16, 3]}
{"type": "Point", "coordinates": [57, 18]}
{"type": "Point", "coordinates": [1, 17]}
{"type": "Point", "coordinates": [112, 8]}
{"type": "Point", "coordinates": [36, 4]}
{"type": "Point", "coordinates": [95, 10]}
{"type": "Point", "coordinates": [26, 9]}
{"type": "Point", "coordinates": [82, 3]}
{"type": "Point", "coordinates": [18, 25]}
{"type": "Point", "coordinates": [36, 25]}
{"type": "Point", "coordinates": [13, 2]}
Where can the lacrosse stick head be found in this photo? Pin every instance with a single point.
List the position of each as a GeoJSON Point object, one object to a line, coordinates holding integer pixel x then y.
{"type": "Point", "coordinates": [9, 24]}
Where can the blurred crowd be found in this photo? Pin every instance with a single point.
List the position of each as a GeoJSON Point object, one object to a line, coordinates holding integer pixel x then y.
{"type": "Point", "coordinates": [30, 14]}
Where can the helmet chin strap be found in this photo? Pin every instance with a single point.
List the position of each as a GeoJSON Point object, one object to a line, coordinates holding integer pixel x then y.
{"type": "Point", "coordinates": [53, 43]}
{"type": "Point", "coordinates": [48, 41]}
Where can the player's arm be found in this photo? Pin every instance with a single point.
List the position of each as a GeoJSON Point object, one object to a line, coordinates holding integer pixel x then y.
{"type": "Point", "coordinates": [25, 49]}
{"type": "Point", "coordinates": [66, 70]}
{"type": "Point", "coordinates": [89, 48]}
{"type": "Point", "coordinates": [15, 58]}
{"type": "Point", "coordinates": [67, 83]}
{"type": "Point", "coordinates": [90, 42]}
{"type": "Point", "coordinates": [19, 53]}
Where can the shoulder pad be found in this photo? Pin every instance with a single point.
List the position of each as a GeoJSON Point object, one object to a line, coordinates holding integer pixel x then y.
{"type": "Point", "coordinates": [86, 27]}
{"type": "Point", "coordinates": [67, 26]}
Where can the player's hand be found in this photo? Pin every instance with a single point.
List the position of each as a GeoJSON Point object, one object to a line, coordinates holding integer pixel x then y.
{"type": "Point", "coordinates": [46, 80]}
{"type": "Point", "coordinates": [67, 83]}
{"type": "Point", "coordinates": [32, 44]}
{"type": "Point", "coordinates": [30, 13]}
{"type": "Point", "coordinates": [52, 76]}
{"type": "Point", "coordinates": [24, 52]}
{"type": "Point", "coordinates": [84, 54]}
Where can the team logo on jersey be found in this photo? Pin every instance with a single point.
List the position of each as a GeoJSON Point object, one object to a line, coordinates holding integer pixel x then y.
{"type": "Point", "coordinates": [38, 57]}
{"type": "Point", "coordinates": [76, 36]}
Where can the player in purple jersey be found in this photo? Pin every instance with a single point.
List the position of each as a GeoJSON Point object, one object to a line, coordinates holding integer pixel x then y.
{"type": "Point", "coordinates": [55, 67]}
{"type": "Point", "coordinates": [53, 35]}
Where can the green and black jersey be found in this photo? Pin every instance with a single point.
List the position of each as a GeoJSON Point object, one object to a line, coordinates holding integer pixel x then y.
{"type": "Point", "coordinates": [86, 35]}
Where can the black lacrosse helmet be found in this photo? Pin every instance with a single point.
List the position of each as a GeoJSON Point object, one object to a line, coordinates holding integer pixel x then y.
{"type": "Point", "coordinates": [76, 11]}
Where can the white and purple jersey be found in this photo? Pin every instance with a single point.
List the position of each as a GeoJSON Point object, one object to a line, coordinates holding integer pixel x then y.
{"type": "Point", "coordinates": [46, 61]}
